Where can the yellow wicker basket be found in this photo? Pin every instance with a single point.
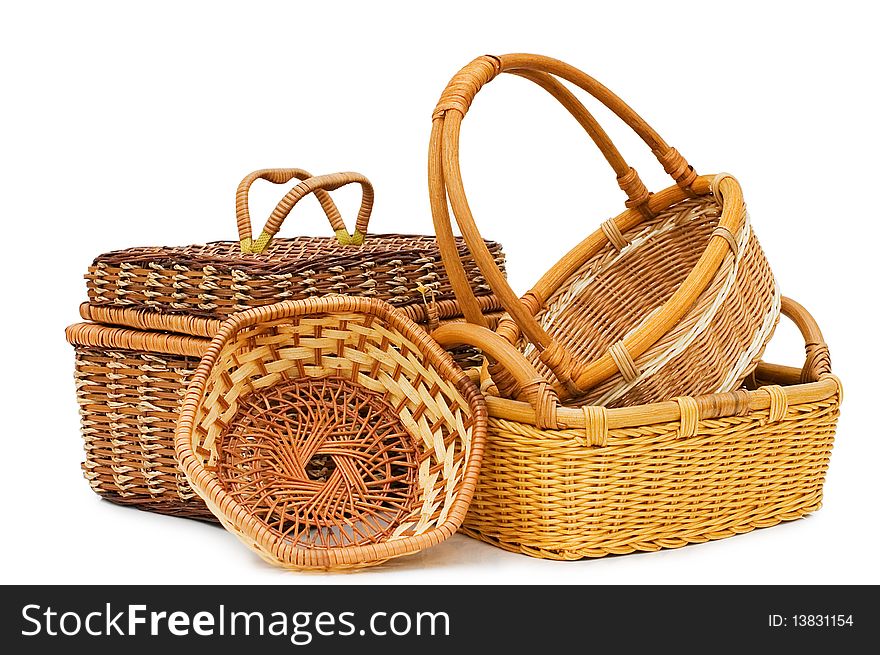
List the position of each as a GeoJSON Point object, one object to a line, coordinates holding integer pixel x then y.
{"type": "Point", "coordinates": [573, 482]}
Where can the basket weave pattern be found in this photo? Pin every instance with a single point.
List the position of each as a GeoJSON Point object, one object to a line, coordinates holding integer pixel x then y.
{"type": "Point", "coordinates": [215, 280]}
{"type": "Point", "coordinates": [671, 297]}
{"type": "Point", "coordinates": [552, 494]}
{"type": "Point", "coordinates": [130, 385]}
{"type": "Point", "coordinates": [129, 403]}
{"type": "Point", "coordinates": [731, 321]}
{"type": "Point", "coordinates": [570, 482]}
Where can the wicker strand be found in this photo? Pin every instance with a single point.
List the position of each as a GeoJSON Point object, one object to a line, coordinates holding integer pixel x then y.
{"type": "Point", "coordinates": [715, 184]}
{"type": "Point", "coordinates": [559, 360]}
{"type": "Point", "coordinates": [539, 394]}
{"type": "Point", "coordinates": [690, 416]}
{"type": "Point", "coordinates": [595, 426]}
{"type": "Point", "coordinates": [461, 90]}
{"type": "Point", "coordinates": [615, 236]}
{"type": "Point", "coordinates": [636, 191]}
{"type": "Point", "coordinates": [624, 361]}
{"type": "Point", "coordinates": [727, 235]}
{"type": "Point", "coordinates": [778, 402]}
{"type": "Point", "coordinates": [676, 166]}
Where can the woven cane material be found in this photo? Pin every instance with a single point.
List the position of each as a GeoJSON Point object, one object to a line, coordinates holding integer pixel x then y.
{"type": "Point", "coordinates": [726, 330]}
{"type": "Point", "coordinates": [331, 433]}
{"type": "Point", "coordinates": [672, 297]}
{"type": "Point", "coordinates": [158, 308]}
{"type": "Point", "coordinates": [542, 493]}
{"type": "Point", "coordinates": [129, 403]}
{"type": "Point", "coordinates": [321, 462]}
{"type": "Point", "coordinates": [216, 279]}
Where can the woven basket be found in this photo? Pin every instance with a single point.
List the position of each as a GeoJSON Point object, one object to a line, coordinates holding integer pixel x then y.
{"type": "Point", "coordinates": [573, 482]}
{"type": "Point", "coordinates": [672, 297]}
{"type": "Point", "coordinates": [217, 279]}
{"type": "Point", "coordinates": [331, 433]}
{"type": "Point", "coordinates": [153, 311]}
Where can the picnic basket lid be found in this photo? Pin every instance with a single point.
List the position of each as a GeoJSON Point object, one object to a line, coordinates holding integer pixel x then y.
{"type": "Point", "coordinates": [216, 279]}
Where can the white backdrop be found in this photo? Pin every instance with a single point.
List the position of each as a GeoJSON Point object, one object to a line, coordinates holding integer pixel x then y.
{"type": "Point", "coordinates": [125, 126]}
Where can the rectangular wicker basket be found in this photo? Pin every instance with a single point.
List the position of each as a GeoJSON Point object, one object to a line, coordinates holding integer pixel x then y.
{"type": "Point", "coordinates": [602, 481]}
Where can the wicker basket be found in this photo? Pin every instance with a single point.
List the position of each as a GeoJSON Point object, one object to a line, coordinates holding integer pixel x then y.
{"type": "Point", "coordinates": [573, 482]}
{"type": "Point", "coordinates": [217, 279]}
{"type": "Point", "coordinates": [153, 311]}
{"type": "Point", "coordinates": [331, 433]}
{"type": "Point", "coordinates": [672, 297]}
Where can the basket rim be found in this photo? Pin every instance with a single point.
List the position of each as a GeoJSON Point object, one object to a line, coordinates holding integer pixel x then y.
{"type": "Point", "coordinates": [710, 406]}
{"type": "Point", "coordinates": [376, 244]}
{"type": "Point", "coordinates": [207, 485]}
{"type": "Point", "coordinates": [182, 322]}
{"type": "Point", "coordinates": [540, 407]}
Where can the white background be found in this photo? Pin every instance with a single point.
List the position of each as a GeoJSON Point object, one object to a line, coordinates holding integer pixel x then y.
{"type": "Point", "coordinates": [126, 126]}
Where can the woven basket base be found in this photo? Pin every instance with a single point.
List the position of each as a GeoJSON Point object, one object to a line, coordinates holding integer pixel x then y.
{"type": "Point", "coordinates": [322, 462]}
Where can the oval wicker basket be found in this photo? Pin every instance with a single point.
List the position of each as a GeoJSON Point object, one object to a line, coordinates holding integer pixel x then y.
{"type": "Point", "coordinates": [331, 433]}
{"type": "Point", "coordinates": [573, 482]}
{"type": "Point", "coordinates": [672, 297]}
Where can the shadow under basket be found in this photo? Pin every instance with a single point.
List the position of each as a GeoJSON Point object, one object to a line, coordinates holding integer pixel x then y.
{"type": "Point", "coordinates": [331, 434]}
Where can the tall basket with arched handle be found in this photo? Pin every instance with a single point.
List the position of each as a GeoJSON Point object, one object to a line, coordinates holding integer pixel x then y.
{"type": "Point", "coordinates": [672, 297]}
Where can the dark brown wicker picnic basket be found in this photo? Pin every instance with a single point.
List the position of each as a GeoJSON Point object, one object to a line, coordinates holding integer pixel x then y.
{"type": "Point", "coordinates": [152, 311]}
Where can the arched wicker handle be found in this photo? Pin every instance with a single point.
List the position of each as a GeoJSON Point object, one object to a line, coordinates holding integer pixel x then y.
{"type": "Point", "coordinates": [319, 185]}
{"type": "Point", "coordinates": [276, 176]}
{"type": "Point", "coordinates": [520, 375]}
{"type": "Point", "coordinates": [818, 360]}
{"type": "Point", "coordinates": [445, 182]}
{"type": "Point", "coordinates": [532, 388]}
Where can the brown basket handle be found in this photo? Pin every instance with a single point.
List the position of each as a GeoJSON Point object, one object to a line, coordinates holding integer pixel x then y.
{"type": "Point", "coordinates": [818, 360]}
{"type": "Point", "coordinates": [445, 182]}
{"type": "Point", "coordinates": [319, 185]}
{"type": "Point", "coordinates": [627, 177]}
{"type": "Point", "coordinates": [532, 388]}
{"type": "Point", "coordinates": [276, 176]}
{"type": "Point", "coordinates": [521, 376]}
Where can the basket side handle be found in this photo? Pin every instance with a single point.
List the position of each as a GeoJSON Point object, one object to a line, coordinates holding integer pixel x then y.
{"type": "Point", "coordinates": [319, 185]}
{"type": "Point", "coordinates": [511, 368]}
{"type": "Point", "coordinates": [818, 359]}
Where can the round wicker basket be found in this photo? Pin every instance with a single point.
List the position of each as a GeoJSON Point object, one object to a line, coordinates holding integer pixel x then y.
{"type": "Point", "coordinates": [672, 297]}
{"type": "Point", "coordinates": [331, 433]}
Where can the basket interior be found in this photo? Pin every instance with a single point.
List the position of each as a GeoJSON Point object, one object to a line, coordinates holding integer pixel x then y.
{"type": "Point", "coordinates": [331, 431]}
{"type": "Point", "coordinates": [616, 292]}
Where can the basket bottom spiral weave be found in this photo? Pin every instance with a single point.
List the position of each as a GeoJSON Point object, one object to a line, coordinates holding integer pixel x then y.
{"type": "Point", "coordinates": [323, 462]}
